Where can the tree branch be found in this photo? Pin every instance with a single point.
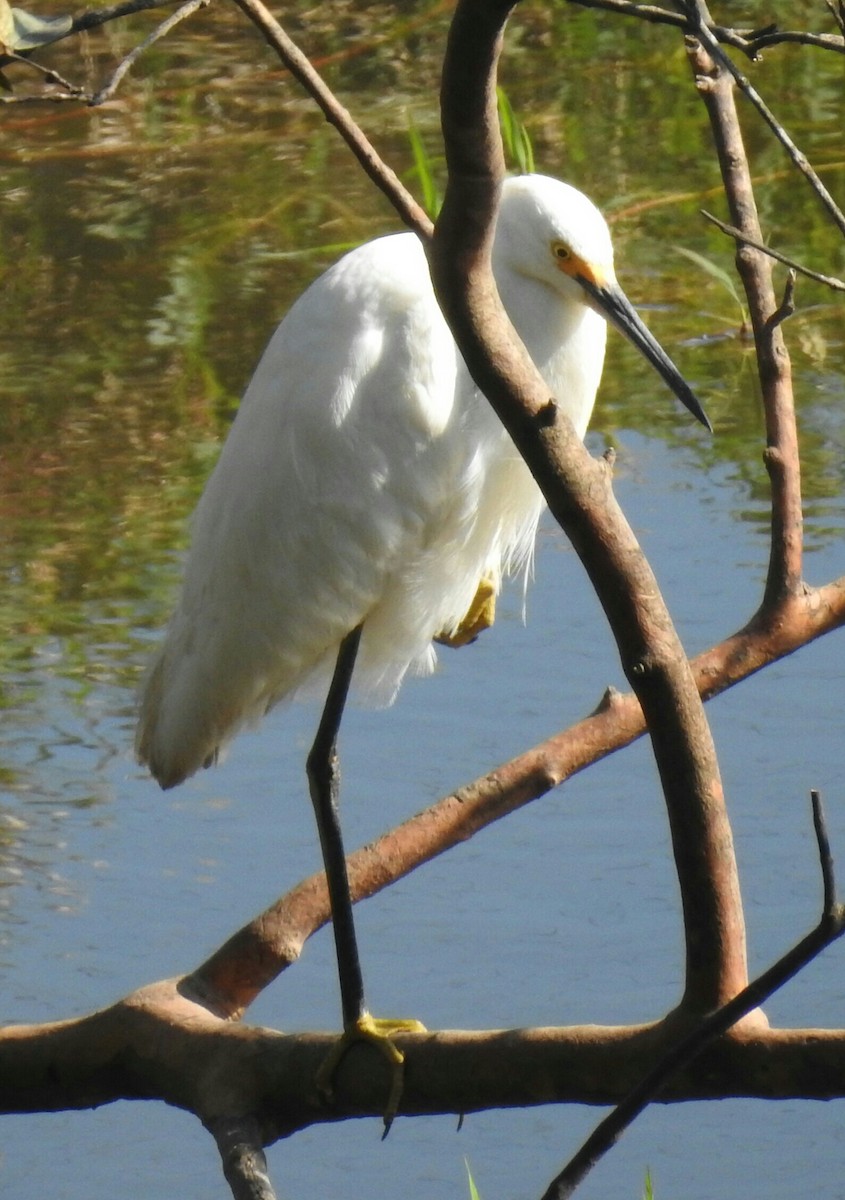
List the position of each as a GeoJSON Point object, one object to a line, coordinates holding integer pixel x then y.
{"type": "Point", "coordinates": [240, 1143]}
{"type": "Point", "coordinates": [715, 85]}
{"type": "Point", "coordinates": [838, 285]}
{"type": "Point", "coordinates": [579, 496]}
{"type": "Point", "coordinates": [253, 957]}
{"type": "Point", "coordinates": [252, 1086]}
{"type": "Point", "coordinates": [299, 66]}
{"type": "Point", "coordinates": [830, 927]}
{"type": "Point", "coordinates": [182, 13]}
{"type": "Point", "coordinates": [698, 17]}
{"type": "Point", "coordinates": [749, 41]}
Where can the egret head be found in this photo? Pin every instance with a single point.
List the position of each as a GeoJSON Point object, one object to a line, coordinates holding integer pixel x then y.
{"type": "Point", "coordinates": [551, 232]}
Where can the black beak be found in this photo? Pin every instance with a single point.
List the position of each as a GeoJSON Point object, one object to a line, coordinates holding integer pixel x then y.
{"type": "Point", "coordinates": [613, 304]}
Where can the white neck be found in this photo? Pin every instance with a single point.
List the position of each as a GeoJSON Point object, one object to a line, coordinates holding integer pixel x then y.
{"type": "Point", "coordinates": [565, 339]}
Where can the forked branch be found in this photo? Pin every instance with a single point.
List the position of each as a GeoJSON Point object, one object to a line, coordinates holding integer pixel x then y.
{"type": "Point", "coordinates": [578, 492]}
{"type": "Point", "coordinates": [831, 926]}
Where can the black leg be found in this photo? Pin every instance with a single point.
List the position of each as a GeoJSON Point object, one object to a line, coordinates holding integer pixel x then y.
{"type": "Point", "coordinates": [324, 779]}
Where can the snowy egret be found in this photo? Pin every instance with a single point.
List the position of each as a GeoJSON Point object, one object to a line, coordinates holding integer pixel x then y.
{"type": "Point", "coordinates": [368, 502]}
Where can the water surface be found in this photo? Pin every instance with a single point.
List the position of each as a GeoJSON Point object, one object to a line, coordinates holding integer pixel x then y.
{"type": "Point", "coordinates": [148, 250]}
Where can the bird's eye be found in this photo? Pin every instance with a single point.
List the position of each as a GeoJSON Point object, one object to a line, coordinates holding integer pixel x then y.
{"type": "Point", "coordinates": [561, 251]}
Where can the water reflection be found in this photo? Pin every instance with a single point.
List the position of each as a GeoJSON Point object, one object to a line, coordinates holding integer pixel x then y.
{"type": "Point", "coordinates": [148, 249]}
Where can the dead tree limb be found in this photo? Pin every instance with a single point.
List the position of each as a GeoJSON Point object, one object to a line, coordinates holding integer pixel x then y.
{"type": "Point", "coordinates": [831, 926]}
{"type": "Point", "coordinates": [837, 285]}
{"type": "Point", "coordinates": [579, 495]}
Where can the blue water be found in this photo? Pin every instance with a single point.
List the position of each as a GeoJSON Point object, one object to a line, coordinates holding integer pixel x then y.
{"type": "Point", "coordinates": [566, 912]}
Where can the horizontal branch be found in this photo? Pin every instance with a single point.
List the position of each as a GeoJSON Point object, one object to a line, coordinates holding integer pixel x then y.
{"type": "Point", "coordinates": [749, 41]}
{"type": "Point", "coordinates": [250, 1087]}
{"type": "Point", "coordinates": [236, 973]}
{"type": "Point", "coordinates": [156, 1044]}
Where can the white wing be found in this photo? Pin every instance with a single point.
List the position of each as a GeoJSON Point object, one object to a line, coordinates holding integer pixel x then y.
{"type": "Point", "coordinates": [348, 491]}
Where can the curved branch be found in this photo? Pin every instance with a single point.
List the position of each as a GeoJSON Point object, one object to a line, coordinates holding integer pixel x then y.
{"type": "Point", "coordinates": [578, 492]}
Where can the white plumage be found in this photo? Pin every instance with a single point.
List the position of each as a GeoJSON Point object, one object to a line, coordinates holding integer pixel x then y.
{"type": "Point", "coordinates": [366, 480]}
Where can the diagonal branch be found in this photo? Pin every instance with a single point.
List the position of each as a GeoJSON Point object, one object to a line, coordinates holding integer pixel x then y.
{"type": "Point", "coordinates": [335, 113]}
{"type": "Point", "coordinates": [181, 14]}
{"type": "Point", "coordinates": [831, 926]}
{"type": "Point", "coordinates": [697, 12]}
{"type": "Point", "coordinates": [254, 956]}
{"type": "Point", "coordinates": [838, 285]}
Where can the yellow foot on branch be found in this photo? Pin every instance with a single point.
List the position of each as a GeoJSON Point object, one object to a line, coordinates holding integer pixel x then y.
{"type": "Point", "coordinates": [377, 1033]}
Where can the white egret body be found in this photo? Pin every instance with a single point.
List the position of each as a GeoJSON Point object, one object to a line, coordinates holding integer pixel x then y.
{"type": "Point", "coordinates": [368, 490]}
{"type": "Point", "coordinates": [366, 481]}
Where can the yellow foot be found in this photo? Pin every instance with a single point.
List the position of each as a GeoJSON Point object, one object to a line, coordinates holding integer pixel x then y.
{"type": "Point", "coordinates": [377, 1033]}
{"type": "Point", "coordinates": [480, 616]}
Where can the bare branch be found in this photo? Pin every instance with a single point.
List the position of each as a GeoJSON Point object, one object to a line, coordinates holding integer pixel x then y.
{"type": "Point", "coordinates": [786, 308]}
{"type": "Point", "coordinates": [749, 41]}
{"type": "Point", "coordinates": [578, 492]}
{"type": "Point", "coordinates": [100, 16]}
{"type": "Point", "coordinates": [782, 37]}
{"type": "Point", "coordinates": [825, 857]}
{"type": "Point", "coordinates": [698, 17]}
{"type": "Point", "coordinates": [828, 280]}
{"type": "Point", "coordinates": [838, 13]}
{"type": "Point", "coordinates": [182, 13]}
{"type": "Point", "coordinates": [830, 927]}
{"type": "Point", "coordinates": [158, 1045]}
{"type": "Point", "coordinates": [302, 70]}
{"type": "Point", "coordinates": [240, 1143]}
{"type": "Point", "coordinates": [716, 87]}
{"type": "Point", "coordinates": [48, 74]}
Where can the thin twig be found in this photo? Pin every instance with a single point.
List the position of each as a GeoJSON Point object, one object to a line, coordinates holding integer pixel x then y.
{"type": "Point", "coordinates": [786, 308]}
{"type": "Point", "coordinates": [49, 73]}
{"type": "Point", "coordinates": [182, 13]}
{"type": "Point", "coordinates": [831, 926]}
{"type": "Point", "coordinates": [825, 856]}
{"type": "Point", "coordinates": [749, 41]}
{"type": "Point", "coordinates": [838, 13]}
{"type": "Point", "coordinates": [782, 37]}
{"type": "Point", "coordinates": [697, 15]}
{"type": "Point", "coordinates": [828, 280]}
{"type": "Point", "coordinates": [47, 98]}
{"type": "Point", "coordinates": [303, 71]}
